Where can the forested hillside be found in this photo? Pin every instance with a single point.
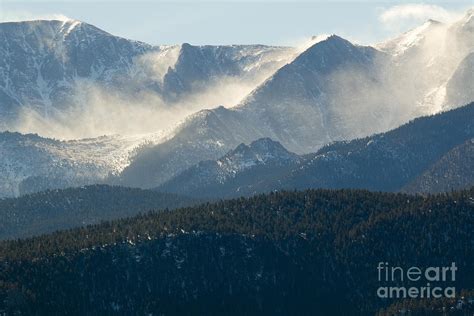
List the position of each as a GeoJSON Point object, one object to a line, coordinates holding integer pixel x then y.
{"type": "Point", "coordinates": [286, 253]}
{"type": "Point", "coordinates": [452, 172]}
{"type": "Point", "coordinates": [52, 210]}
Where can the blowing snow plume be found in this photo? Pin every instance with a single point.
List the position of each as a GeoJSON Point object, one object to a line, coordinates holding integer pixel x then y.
{"type": "Point", "coordinates": [98, 111]}
{"type": "Point", "coordinates": [108, 84]}
{"type": "Point", "coordinates": [414, 79]}
{"type": "Point", "coordinates": [425, 60]}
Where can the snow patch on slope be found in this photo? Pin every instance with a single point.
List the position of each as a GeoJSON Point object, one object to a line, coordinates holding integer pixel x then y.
{"type": "Point", "coordinates": [77, 162]}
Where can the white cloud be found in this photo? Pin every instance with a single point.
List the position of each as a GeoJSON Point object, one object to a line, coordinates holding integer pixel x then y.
{"type": "Point", "coordinates": [16, 16]}
{"type": "Point", "coordinates": [401, 16]}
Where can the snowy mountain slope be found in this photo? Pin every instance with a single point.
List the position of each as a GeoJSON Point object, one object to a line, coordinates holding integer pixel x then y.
{"type": "Point", "coordinates": [41, 60]}
{"type": "Point", "coordinates": [49, 66]}
{"type": "Point", "coordinates": [30, 163]}
{"type": "Point", "coordinates": [243, 166]}
{"type": "Point", "coordinates": [410, 42]}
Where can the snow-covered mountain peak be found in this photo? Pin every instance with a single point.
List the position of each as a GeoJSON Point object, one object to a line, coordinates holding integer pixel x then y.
{"type": "Point", "coordinates": [310, 42]}
{"type": "Point", "coordinates": [321, 58]}
{"type": "Point", "coordinates": [335, 37]}
{"type": "Point", "coordinates": [329, 40]}
{"type": "Point", "coordinates": [318, 38]}
{"type": "Point", "coordinates": [237, 166]}
{"type": "Point", "coordinates": [261, 147]}
{"type": "Point", "coordinates": [71, 26]}
{"type": "Point", "coordinates": [331, 51]}
{"type": "Point", "coordinates": [260, 152]}
{"type": "Point", "coordinates": [410, 39]}
{"type": "Point", "coordinates": [48, 28]}
{"type": "Point", "coordinates": [468, 19]}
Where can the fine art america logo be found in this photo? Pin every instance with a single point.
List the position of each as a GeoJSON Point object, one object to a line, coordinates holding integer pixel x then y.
{"type": "Point", "coordinates": [432, 280]}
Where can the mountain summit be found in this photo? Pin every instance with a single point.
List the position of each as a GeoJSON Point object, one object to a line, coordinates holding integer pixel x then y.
{"type": "Point", "coordinates": [241, 167]}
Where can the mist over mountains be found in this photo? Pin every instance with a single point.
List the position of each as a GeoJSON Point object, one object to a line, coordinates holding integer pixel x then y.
{"type": "Point", "coordinates": [178, 105]}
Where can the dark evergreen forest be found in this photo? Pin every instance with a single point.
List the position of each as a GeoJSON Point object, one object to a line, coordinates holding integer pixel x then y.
{"type": "Point", "coordinates": [311, 252]}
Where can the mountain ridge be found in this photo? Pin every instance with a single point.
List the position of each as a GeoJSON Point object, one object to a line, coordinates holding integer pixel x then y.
{"type": "Point", "coordinates": [383, 162]}
{"type": "Point", "coordinates": [261, 159]}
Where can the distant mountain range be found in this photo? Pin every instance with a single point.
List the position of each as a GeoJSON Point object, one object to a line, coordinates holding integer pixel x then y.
{"type": "Point", "coordinates": [429, 154]}
{"type": "Point", "coordinates": [303, 98]}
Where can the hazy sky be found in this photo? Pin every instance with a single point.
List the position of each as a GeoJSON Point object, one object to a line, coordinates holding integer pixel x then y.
{"type": "Point", "coordinates": [230, 22]}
